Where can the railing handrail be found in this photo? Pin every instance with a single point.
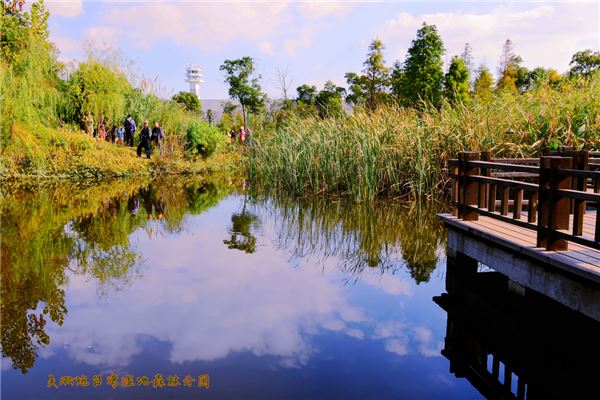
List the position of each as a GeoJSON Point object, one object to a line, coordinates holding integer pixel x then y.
{"type": "Point", "coordinates": [561, 189]}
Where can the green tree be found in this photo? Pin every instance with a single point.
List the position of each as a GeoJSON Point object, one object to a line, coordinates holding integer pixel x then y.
{"type": "Point", "coordinates": [376, 75]}
{"type": "Point", "coordinates": [422, 74]}
{"type": "Point", "coordinates": [508, 69]}
{"type": "Point", "coordinates": [467, 57]}
{"type": "Point", "coordinates": [483, 85]}
{"type": "Point", "coordinates": [244, 85]}
{"type": "Point", "coordinates": [98, 90]}
{"type": "Point", "coordinates": [396, 80]}
{"type": "Point", "coordinates": [329, 100]}
{"type": "Point", "coordinates": [203, 138]}
{"type": "Point", "coordinates": [456, 81]}
{"type": "Point", "coordinates": [189, 101]}
{"type": "Point", "coordinates": [228, 107]}
{"type": "Point", "coordinates": [306, 94]}
{"type": "Point", "coordinates": [305, 100]}
{"type": "Point", "coordinates": [585, 62]}
{"type": "Point", "coordinates": [18, 28]}
{"type": "Point", "coordinates": [357, 89]}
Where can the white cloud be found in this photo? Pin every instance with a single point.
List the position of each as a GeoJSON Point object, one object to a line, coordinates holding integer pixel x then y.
{"type": "Point", "coordinates": [106, 36]}
{"type": "Point", "coordinates": [65, 8]}
{"type": "Point", "coordinates": [302, 39]}
{"type": "Point", "coordinates": [397, 346]}
{"type": "Point", "coordinates": [391, 284]}
{"type": "Point", "coordinates": [203, 25]}
{"type": "Point", "coordinates": [320, 9]}
{"type": "Point", "coordinates": [66, 44]}
{"type": "Point", "coordinates": [195, 297]}
{"type": "Point", "coordinates": [266, 48]}
{"type": "Point", "coordinates": [545, 35]}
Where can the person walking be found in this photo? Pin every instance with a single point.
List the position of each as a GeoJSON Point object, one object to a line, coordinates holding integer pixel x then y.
{"type": "Point", "coordinates": [144, 140]}
{"type": "Point", "coordinates": [158, 136]}
{"type": "Point", "coordinates": [120, 137]}
{"type": "Point", "coordinates": [242, 134]}
{"type": "Point", "coordinates": [88, 122]}
{"type": "Point", "coordinates": [102, 130]}
{"type": "Point", "coordinates": [129, 125]}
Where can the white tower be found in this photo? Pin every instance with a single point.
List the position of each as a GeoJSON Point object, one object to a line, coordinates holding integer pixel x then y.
{"type": "Point", "coordinates": [194, 76]}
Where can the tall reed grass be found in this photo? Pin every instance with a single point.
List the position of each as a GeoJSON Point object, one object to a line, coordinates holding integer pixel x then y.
{"type": "Point", "coordinates": [400, 151]}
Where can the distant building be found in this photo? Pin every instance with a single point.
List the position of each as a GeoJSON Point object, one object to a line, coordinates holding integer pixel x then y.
{"type": "Point", "coordinates": [194, 76]}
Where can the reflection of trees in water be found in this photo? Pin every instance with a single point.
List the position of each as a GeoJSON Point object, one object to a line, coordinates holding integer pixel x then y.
{"type": "Point", "coordinates": [242, 224]}
{"type": "Point", "coordinates": [380, 234]}
{"type": "Point", "coordinates": [86, 230]}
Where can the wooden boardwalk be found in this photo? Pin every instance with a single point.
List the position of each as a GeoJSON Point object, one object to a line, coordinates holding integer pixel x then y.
{"type": "Point", "coordinates": [578, 259]}
{"type": "Point", "coordinates": [534, 220]}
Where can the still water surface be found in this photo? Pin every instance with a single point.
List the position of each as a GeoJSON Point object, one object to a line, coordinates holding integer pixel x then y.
{"type": "Point", "coordinates": [271, 297]}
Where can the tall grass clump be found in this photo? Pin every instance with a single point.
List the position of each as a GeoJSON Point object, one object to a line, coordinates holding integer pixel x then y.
{"type": "Point", "coordinates": [401, 151]}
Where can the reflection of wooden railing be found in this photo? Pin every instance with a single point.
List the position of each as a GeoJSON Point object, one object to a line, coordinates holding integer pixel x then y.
{"type": "Point", "coordinates": [515, 346]}
{"type": "Point", "coordinates": [552, 188]}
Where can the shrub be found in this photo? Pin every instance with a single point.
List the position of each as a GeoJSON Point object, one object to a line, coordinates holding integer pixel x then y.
{"type": "Point", "coordinates": [203, 138]}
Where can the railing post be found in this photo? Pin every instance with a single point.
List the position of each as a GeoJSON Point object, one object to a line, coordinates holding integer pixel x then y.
{"type": "Point", "coordinates": [483, 187]}
{"type": "Point", "coordinates": [468, 190]}
{"type": "Point", "coordinates": [553, 210]}
{"type": "Point", "coordinates": [580, 162]}
{"type": "Point", "coordinates": [455, 188]}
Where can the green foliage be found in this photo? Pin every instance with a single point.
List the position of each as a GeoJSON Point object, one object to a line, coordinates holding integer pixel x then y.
{"type": "Point", "coordinates": [509, 68]}
{"type": "Point", "coordinates": [483, 85]}
{"type": "Point", "coordinates": [38, 254]}
{"type": "Point", "coordinates": [203, 138]}
{"type": "Point", "coordinates": [421, 74]}
{"type": "Point", "coordinates": [189, 101]}
{"type": "Point", "coordinates": [585, 62]}
{"type": "Point", "coordinates": [329, 100]}
{"type": "Point", "coordinates": [306, 94]}
{"type": "Point", "coordinates": [403, 151]}
{"type": "Point", "coordinates": [377, 75]}
{"type": "Point", "coordinates": [371, 88]}
{"type": "Point", "coordinates": [456, 81]}
{"type": "Point", "coordinates": [357, 92]}
{"type": "Point", "coordinates": [100, 91]}
{"type": "Point", "coordinates": [18, 29]}
{"type": "Point", "coordinates": [244, 85]}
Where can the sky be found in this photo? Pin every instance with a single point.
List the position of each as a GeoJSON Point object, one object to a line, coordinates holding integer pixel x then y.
{"type": "Point", "coordinates": [314, 41]}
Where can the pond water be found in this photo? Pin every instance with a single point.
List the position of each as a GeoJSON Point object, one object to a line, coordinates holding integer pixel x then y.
{"type": "Point", "coordinates": [270, 297]}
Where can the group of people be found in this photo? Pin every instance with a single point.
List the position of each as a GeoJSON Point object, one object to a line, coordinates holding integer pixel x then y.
{"type": "Point", "coordinates": [242, 135]}
{"type": "Point", "coordinates": [125, 133]}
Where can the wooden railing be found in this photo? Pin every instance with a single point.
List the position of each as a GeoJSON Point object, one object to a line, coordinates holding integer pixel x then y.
{"type": "Point", "coordinates": [551, 189]}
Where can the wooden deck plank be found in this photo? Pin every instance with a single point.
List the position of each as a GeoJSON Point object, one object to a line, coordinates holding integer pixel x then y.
{"type": "Point", "coordinates": [531, 235]}
{"type": "Point", "coordinates": [528, 237]}
{"type": "Point", "coordinates": [498, 233]}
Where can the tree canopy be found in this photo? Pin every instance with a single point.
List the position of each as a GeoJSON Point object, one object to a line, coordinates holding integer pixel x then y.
{"type": "Point", "coordinates": [421, 74]}
{"type": "Point", "coordinates": [585, 62]}
{"type": "Point", "coordinates": [456, 81]}
{"type": "Point", "coordinates": [244, 84]}
{"type": "Point", "coordinates": [508, 69]}
{"type": "Point", "coordinates": [483, 85]}
{"type": "Point", "coordinates": [189, 101]}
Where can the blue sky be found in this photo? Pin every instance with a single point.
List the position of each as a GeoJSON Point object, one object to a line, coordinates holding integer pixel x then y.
{"type": "Point", "coordinates": [315, 41]}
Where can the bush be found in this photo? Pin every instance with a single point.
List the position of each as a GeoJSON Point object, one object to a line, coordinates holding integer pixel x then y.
{"type": "Point", "coordinates": [203, 138]}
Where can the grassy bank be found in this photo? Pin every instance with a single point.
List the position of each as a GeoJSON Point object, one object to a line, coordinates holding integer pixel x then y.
{"type": "Point", "coordinates": [398, 151]}
{"type": "Point", "coordinates": [57, 153]}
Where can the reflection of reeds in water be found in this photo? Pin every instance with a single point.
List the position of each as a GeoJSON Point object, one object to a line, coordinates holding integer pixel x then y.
{"type": "Point", "coordinates": [381, 234]}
